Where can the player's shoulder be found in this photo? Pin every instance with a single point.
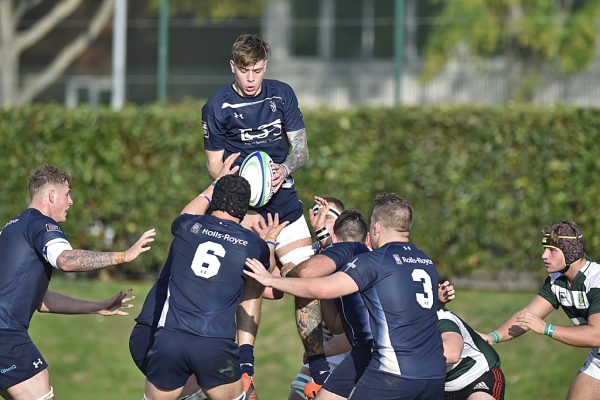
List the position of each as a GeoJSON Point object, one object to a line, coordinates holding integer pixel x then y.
{"type": "Point", "coordinates": [221, 96]}
{"type": "Point", "coordinates": [33, 221]}
{"type": "Point", "coordinates": [444, 313]}
{"type": "Point", "coordinates": [592, 273]}
{"type": "Point", "coordinates": [273, 85]}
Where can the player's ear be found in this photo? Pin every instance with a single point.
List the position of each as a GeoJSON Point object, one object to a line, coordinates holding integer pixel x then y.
{"type": "Point", "coordinates": [51, 195]}
{"type": "Point", "coordinates": [334, 238]}
{"type": "Point", "coordinates": [265, 66]}
{"type": "Point", "coordinates": [232, 65]}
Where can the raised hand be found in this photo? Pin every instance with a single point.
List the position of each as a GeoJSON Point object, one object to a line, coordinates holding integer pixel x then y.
{"type": "Point", "coordinates": [138, 247]}
{"type": "Point", "coordinates": [115, 304]}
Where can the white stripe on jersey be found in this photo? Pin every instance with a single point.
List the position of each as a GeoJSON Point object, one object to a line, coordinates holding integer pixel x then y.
{"type": "Point", "coordinates": [238, 105]}
{"type": "Point", "coordinates": [54, 248]}
{"type": "Point", "coordinates": [165, 310]}
{"type": "Point", "coordinates": [387, 355]}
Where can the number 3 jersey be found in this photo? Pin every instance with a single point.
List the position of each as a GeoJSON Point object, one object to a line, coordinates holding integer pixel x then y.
{"type": "Point", "coordinates": [399, 283]}
{"type": "Point", "coordinates": [207, 279]}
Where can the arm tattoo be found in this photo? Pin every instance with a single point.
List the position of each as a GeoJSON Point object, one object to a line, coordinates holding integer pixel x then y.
{"type": "Point", "coordinates": [308, 322]}
{"type": "Point", "coordinates": [84, 260]}
{"type": "Point", "coordinates": [299, 154]}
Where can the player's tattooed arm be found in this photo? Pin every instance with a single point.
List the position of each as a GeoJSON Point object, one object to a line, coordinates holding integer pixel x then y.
{"type": "Point", "coordinates": [85, 260]}
{"type": "Point", "coordinates": [308, 322]}
{"type": "Point", "coordinates": [299, 154]}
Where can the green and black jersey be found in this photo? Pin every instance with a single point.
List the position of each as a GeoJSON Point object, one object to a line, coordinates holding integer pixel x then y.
{"type": "Point", "coordinates": [580, 300]}
{"type": "Point", "coordinates": [477, 356]}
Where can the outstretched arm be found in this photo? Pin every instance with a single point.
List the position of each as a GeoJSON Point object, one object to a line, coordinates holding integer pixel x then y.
{"type": "Point", "coordinates": [328, 287]}
{"type": "Point", "coordinates": [85, 260]}
{"type": "Point", "coordinates": [578, 336]}
{"type": "Point", "coordinates": [58, 303]}
{"type": "Point", "coordinates": [511, 329]}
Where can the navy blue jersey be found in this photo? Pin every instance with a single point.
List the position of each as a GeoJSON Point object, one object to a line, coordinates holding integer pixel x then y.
{"type": "Point", "coordinates": [155, 300]}
{"type": "Point", "coordinates": [246, 124]}
{"type": "Point", "coordinates": [352, 310]}
{"type": "Point", "coordinates": [398, 283]}
{"type": "Point", "coordinates": [24, 271]}
{"type": "Point", "coordinates": [207, 278]}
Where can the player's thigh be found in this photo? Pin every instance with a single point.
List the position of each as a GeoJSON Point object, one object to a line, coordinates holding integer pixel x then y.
{"type": "Point", "coordinates": [229, 391]}
{"type": "Point", "coordinates": [346, 375]}
{"type": "Point", "coordinates": [36, 387]}
{"type": "Point", "coordinates": [584, 387]}
{"type": "Point", "coordinates": [480, 396]}
{"type": "Point", "coordinates": [153, 392]}
{"type": "Point", "coordinates": [24, 371]}
{"type": "Point", "coordinates": [324, 394]}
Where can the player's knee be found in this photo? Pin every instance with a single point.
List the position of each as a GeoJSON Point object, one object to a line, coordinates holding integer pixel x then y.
{"type": "Point", "coordinates": [299, 384]}
{"type": "Point", "coordinates": [298, 255]}
{"type": "Point", "coordinates": [49, 395]}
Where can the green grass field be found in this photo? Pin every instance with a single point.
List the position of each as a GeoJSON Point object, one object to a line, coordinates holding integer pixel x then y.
{"type": "Point", "coordinates": [89, 355]}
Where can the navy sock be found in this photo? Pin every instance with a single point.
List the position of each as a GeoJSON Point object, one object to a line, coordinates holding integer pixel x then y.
{"type": "Point", "coordinates": [247, 359]}
{"type": "Point", "coordinates": [319, 368]}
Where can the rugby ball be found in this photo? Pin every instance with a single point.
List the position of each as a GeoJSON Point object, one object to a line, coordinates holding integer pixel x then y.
{"type": "Point", "coordinates": [257, 168]}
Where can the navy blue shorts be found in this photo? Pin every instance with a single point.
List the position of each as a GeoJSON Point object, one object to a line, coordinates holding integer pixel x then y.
{"type": "Point", "coordinates": [176, 355]}
{"type": "Point", "coordinates": [285, 203]}
{"type": "Point", "coordinates": [384, 386]}
{"type": "Point", "coordinates": [19, 358]}
{"type": "Point", "coordinates": [346, 375]}
{"type": "Point", "coordinates": [492, 383]}
{"type": "Point", "coordinates": [140, 343]}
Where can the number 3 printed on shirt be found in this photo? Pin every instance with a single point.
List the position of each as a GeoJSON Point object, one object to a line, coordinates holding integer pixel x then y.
{"type": "Point", "coordinates": [207, 264]}
{"type": "Point", "coordinates": [425, 300]}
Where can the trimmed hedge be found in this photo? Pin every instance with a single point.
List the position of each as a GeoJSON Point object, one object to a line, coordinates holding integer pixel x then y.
{"type": "Point", "coordinates": [483, 180]}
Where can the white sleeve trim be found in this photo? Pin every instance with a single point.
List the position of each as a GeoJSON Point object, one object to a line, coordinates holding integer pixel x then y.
{"type": "Point", "coordinates": [54, 248]}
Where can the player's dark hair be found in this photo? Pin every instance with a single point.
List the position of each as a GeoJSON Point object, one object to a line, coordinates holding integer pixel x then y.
{"type": "Point", "coordinates": [337, 203]}
{"type": "Point", "coordinates": [248, 49]}
{"type": "Point", "coordinates": [351, 226]}
{"type": "Point", "coordinates": [232, 195]}
{"type": "Point", "coordinates": [47, 175]}
{"type": "Point", "coordinates": [393, 212]}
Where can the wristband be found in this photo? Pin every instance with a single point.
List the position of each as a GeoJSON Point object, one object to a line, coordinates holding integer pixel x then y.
{"type": "Point", "coordinates": [322, 233]}
{"type": "Point", "coordinates": [287, 172]}
{"type": "Point", "coordinates": [549, 330]}
{"type": "Point", "coordinates": [206, 197]}
{"type": "Point", "coordinates": [119, 257]}
{"type": "Point", "coordinates": [213, 184]}
{"type": "Point", "coordinates": [495, 336]}
{"type": "Point", "coordinates": [271, 243]}
{"type": "Point", "coordinates": [324, 236]}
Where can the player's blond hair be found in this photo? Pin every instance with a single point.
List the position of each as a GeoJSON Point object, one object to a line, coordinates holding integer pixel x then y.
{"type": "Point", "coordinates": [248, 49]}
{"type": "Point", "coordinates": [46, 175]}
{"type": "Point", "coordinates": [393, 212]}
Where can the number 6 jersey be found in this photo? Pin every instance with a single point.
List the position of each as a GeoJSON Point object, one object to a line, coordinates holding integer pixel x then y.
{"type": "Point", "coordinates": [207, 278]}
{"type": "Point", "coordinates": [399, 283]}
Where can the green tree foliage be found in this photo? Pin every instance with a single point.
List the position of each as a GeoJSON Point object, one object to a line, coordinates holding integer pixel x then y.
{"type": "Point", "coordinates": [528, 32]}
{"type": "Point", "coordinates": [216, 9]}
